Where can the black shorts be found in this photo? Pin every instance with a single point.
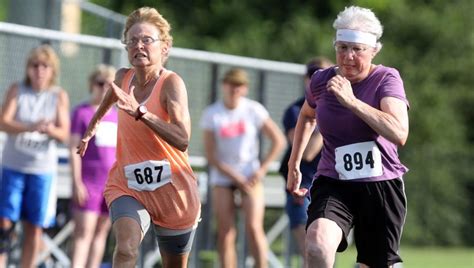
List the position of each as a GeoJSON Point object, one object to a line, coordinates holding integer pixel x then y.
{"type": "Point", "coordinates": [376, 210]}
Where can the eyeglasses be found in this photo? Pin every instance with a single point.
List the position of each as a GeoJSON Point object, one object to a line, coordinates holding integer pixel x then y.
{"type": "Point", "coordinates": [36, 65]}
{"type": "Point", "coordinates": [146, 40]}
{"type": "Point", "coordinates": [100, 83]}
{"type": "Point", "coordinates": [345, 48]}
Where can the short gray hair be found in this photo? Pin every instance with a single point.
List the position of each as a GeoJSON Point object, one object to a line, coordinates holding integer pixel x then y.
{"type": "Point", "coordinates": [359, 19]}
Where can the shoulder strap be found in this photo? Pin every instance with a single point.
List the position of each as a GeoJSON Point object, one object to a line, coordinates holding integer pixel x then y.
{"type": "Point", "coordinates": [127, 78]}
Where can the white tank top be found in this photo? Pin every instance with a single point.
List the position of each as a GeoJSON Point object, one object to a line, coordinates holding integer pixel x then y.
{"type": "Point", "coordinates": [32, 152]}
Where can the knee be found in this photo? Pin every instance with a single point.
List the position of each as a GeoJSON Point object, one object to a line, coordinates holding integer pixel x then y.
{"type": "Point", "coordinates": [255, 229]}
{"type": "Point", "coordinates": [315, 250]}
{"type": "Point", "coordinates": [320, 247]}
{"type": "Point", "coordinates": [227, 231]}
{"type": "Point", "coordinates": [126, 251]}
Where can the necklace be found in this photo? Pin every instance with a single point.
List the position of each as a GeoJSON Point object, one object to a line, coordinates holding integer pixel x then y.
{"type": "Point", "coordinates": [155, 77]}
{"type": "Point", "coordinates": [148, 81]}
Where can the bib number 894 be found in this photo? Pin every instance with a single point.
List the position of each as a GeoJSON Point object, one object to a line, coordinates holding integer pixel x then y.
{"type": "Point", "coordinates": [356, 161]}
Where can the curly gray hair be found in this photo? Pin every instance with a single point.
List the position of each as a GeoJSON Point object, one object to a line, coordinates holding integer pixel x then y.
{"type": "Point", "coordinates": [360, 19]}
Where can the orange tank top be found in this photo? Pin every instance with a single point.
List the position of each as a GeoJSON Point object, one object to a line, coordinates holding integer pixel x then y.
{"type": "Point", "coordinates": [174, 205]}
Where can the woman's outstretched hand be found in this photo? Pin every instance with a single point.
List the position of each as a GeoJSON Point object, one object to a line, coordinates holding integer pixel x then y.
{"type": "Point", "coordinates": [82, 147]}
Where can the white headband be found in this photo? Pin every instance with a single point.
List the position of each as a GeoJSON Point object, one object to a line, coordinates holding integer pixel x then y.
{"type": "Point", "coordinates": [356, 37]}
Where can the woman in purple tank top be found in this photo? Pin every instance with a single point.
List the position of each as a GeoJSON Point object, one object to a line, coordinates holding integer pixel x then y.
{"type": "Point", "coordinates": [90, 213]}
{"type": "Point", "coordinates": [362, 113]}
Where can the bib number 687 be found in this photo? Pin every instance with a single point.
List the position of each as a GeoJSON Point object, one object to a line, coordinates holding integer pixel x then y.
{"type": "Point", "coordinates": [146, 175]}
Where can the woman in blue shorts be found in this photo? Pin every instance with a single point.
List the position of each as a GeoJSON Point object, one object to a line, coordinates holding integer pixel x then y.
{"type": "Point", "coordinates": [35, 116]}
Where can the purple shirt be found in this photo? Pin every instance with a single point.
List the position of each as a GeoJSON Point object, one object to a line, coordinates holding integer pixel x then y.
{"type": "Point", "coordinates": [339, 126]}
{"type": "Point", "coordinates": [100, 153]}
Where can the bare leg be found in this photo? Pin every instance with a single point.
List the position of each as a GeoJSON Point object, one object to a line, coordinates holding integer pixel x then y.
{"type": "Point", "coordinates": [224, 209]}
{"type": "Point", "coordinates": [97, 248]}
{"type": "Point", "coordinates": [322, 239]}
{"type": "Point", "coordinates": [254, 207]}
{"type": "Point", "coordinates": [128, 236]}
{"type": "Point", "coordinates": [31, 245]}
{"type": "Point", "coordinates": [84, 226]}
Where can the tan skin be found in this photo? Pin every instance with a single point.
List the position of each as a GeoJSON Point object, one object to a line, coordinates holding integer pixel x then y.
{"type": "Point", "coordinates": [40, 77]}
{"type": "Point", "coordinates": [251, 188]}
{"type": "Point", "coordinates": [147, 61]}
{"type": "Point", "coordinates": [391, 121]}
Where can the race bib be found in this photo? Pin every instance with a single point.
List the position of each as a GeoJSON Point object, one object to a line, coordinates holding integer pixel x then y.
{"type": "Point", "coordinates": [32, 142]}
{"type": "Point", "coordinates": [148, 175]}
{"type": "Point", "coordinates": [106, 134]}
{"type": "Point", "coordinates": [358, 160]}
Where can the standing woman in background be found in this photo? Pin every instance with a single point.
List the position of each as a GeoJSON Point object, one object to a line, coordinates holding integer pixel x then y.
{"type": "Point", "coordinates": [89, 173]}
{"type": "Point", "coordinates": [231, 139]}
{"type": "Point", "coordinates": [35, 116]}
{"type": "Point", "coordinates": [152, 178]}
{"type": "Point", "coordinates": [362, 113]}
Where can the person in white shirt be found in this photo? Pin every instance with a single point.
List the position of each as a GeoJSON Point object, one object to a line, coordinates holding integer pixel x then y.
{"type": "Point", "coordinates": [231, 139]}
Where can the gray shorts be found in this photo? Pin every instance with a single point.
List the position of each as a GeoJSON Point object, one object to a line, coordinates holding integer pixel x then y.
{"type": "Point", "coordinates": [170, 240]}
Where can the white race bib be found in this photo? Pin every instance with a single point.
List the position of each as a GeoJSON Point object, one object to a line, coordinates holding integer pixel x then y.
{"type": "Point", "coordinates": [358, 160]}
{"type": "Point", "coordinates": [32, 142]}
{"type": "Point", "coordinates": [106, 134]}
{"type": "Point", "coordinates": [148, 175]}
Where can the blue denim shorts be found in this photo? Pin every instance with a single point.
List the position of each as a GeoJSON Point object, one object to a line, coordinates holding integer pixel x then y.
{"type": "Point", "coordinates": [28, 197]}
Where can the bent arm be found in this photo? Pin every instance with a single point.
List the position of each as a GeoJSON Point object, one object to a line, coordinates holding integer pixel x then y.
{"type": "Point", "coordinates": [7, 114]}
{"type": "Point", "coordinates": [315, 144]}
{"type": "Point", "coordinates": [391, 121]}
{"type": "Point", "coordinates": [175, 100]}
{"type": "Point", "coordinates": [109, 99]}
{"type": "Point", "coordinates": [104, 107]}
{"type": "Point", "coordinates": [273, 132]}
{"type": "Point", "coordinates": [59, 130]}
{"type": "Point", "coordinates": [304, 128]}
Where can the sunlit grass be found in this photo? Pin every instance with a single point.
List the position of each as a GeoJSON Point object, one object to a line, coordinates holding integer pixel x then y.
{"type": "Point", "coordinates": [421, 258]}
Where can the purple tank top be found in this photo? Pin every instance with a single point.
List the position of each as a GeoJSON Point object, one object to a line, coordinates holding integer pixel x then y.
{"type": "Point", "coordinates": [352, 149]}
{"type": "Point", "coordinates": [100, 154]}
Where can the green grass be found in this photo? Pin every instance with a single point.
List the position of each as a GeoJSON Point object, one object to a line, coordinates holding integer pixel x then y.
{"type": "Point", "coordinates": [412, 258]}
{"type": "Point", "coordinates": [420, 258]}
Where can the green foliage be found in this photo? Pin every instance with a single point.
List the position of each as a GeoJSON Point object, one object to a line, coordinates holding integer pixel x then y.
{"type": "Point", "coordinates": [431, 43]}
{"type": "Point", "coordinates": [4, 9]}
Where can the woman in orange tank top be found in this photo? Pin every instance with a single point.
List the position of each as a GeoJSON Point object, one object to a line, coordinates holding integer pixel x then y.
{"type": "Point", "coordinates": [152, 178]}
